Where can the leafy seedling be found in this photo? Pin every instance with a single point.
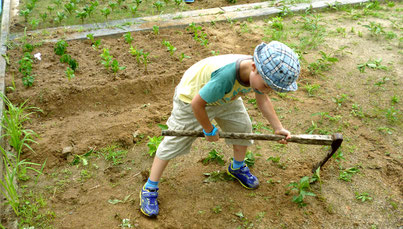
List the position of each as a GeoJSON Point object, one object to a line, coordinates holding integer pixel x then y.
{"type": "Point", "coordinates": [348, 173]}
{"type": "Point", "coordinates": [128, 38]}
{"type": "Point", "coordinates": [303, 189]}
{"type": "Point", "coordinates": [250, 159]}
{"type": "Point", "coordinates": [363, 196]}
{"type": "Point", "coordinates": [214, 156]}
{"type": "Point", "coordinates": [153, 144]}
{"type": "Point", "coordinates": [60, 47]}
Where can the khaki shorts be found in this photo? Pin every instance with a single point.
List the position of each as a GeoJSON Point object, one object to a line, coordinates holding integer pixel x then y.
{"type": "Point", "coordinates": [230, 117]}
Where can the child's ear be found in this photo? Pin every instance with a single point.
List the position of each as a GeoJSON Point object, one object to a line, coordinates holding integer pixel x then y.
{"type": "Point", "coordinates": [253, 66]}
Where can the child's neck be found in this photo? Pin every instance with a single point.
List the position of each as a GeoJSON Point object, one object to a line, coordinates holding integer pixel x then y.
{"type": "Point", "coordinates": [245, 68]}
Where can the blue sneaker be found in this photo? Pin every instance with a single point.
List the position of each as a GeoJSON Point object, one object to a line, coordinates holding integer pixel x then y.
{"type": "Point", "coordinates": [189, 1]}
{"type": "Point", "coordinates": [148, 202]}
{"type": "Point", "coordinates": [244, 176]}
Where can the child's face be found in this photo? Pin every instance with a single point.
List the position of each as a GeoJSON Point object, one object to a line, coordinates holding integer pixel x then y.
{"type": "Point", "coordinates": [256, 81]}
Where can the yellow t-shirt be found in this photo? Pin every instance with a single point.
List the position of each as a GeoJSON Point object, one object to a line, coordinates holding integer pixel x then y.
{"type": "Point", "coordinates": [215, 78]}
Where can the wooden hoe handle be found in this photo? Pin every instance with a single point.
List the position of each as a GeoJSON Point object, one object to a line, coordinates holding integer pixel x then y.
{"type": "Point", "coordinates": [334, 140]}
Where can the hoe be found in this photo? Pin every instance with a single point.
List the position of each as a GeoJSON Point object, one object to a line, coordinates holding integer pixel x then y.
{"type": "Point", "coordinates": [334, 140]}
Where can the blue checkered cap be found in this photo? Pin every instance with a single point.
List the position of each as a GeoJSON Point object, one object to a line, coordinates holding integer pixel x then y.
{"type": "Point", "coordinates": [278, 65]}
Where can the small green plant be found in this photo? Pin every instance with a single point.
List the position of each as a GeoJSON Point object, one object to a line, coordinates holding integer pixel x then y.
{"type": "Point", "coordinates": [340, 99]}
{"type": "Point", "coordinates": [198, 34]}
{"type": "Point", "coordinates": [82, 15]}
{"type": "Point", "coordinates": [348, 173]}
{"type": "Point", "coordinates": [311, 88]}
{"type": "Point", "coordinates": [374, 64]}
{"type": "Point", "coordinates": [303, 189]}
{"type": "Point", "coordinates": [153, 144]}
{"type": "Point", "coordinates": [322, 64]}
{"type": "Point", "coordinates": [106, 58]}
{"type": "Point", "coordinates": [106, 12]}
{"type": "Point", "coordinates": [114, 154]}
{"type": "Point", "coordinates": [217, 209]}
{"type": "Point", "coordinates": [158, 5]}
{"type": "Point", "coordinates": [25, 13]}
{"type": "Point", "coordinates": [116, 67]}
{"type": "Point", "coordinates": [60, 16]}
{"type": "Point", "coordinates": [363, 196]}
{"type": "Point", "coordinates": [250, 159]}
{"type": "Point", "coordinates": [392, 114]}
{"type": "Point", "coordinates": [70, 73]}
{"type": "Point", "coordinates": [171, 49]}
{"type": "Point", "coordinates": [214, 156]}
{"type": "Point", "coordinates": [60, 47]}
{"type": "Point", "coordinates": [183, 56]}
{"type": "Point", "coordinates": [356, 111]}
{"type": "Point", "coordinates": [156, 30]}
{"type": "Point", "coordinates": [376, 29]}
{"type": "Point", "coordinates": [128, 38]}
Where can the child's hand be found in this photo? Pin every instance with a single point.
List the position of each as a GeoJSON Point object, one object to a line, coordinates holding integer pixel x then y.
{"type": "Point", "coordinates": [213, 138]}
{"type": "Point", "coordinates": [285, 133]}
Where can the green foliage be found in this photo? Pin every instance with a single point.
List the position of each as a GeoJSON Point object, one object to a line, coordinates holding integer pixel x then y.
{"type": "Point", "coordinates": [363, 196]}
{"type": "Point", "coordinates": [217, 176]}
{"type": "Point", "coordinates": [128, 38]}
{"type": "Point", "coordinates": [116, 67]}
{"type": "Point", "coordinates": [311, 88]}
{"type": "Point", "coordinates": [375, 29]}
{"type": "Point", "coordinates": [105, 12]}
{"type": "Point", "coordinates": [374, 64]}
{"type": "Point", "coordinates": [348, 173]}
{"type": "Point", "coordinates": [158, 5]}
{"type": "Point", "coordinates": [141, 56]}
{"type": "Point", "coordinates": [70, 73]}
{"type": "Point", "coordinates": [214, 156]}
{"type": "Point", "coordinates": [106, 58]}
{"type": "Point", "coordinates": [156, 29]}
{"type": "Point", "coordinates": [322, 64]}
{"type": "Point", "coordinates": [171, 49]}
{"type": "Point", "coordinates": [250, 159]}
{"type": "Point", "coordinates": [303, 189]}
{"type": "Point", "coordinates": [198, 34]}
{"type": "Point", "coordinates": [82, 15]}
{"type": "Point", "coordinates": [153, 144]}
{"type": "Point", "coordinates": [114, 154]}
{"type": "Point", "coordinates": [60, 47]}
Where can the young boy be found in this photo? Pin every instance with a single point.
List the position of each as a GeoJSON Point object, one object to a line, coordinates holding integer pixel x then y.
{"type": "Point", "coordinates": [211, 89]}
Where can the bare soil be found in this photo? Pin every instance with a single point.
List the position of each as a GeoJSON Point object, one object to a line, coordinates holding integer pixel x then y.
{"type": "Point", "coordinates": [98, 108]}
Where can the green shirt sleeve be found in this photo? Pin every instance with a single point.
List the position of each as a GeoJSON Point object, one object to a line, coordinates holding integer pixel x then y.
{"type": "Point", "coordinates": [222, 81]}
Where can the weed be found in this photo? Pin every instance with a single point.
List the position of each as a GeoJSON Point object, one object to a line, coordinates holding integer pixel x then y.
{"type": "Point", "coordinates": [363, 196]}
{"type": "Point", "coordinates": [322, 64]}
{"type": "Point", "coordinates": [82, 159]}
{"type": "Point", "coordinates": [70, 73]}
{"type": "Point", "coordinates": [356, 111]}
{"type": "Point", "coordinates": [395, 99]}
{"type": "Point", "coordinates": [156, 30]}
{"type": "Point", "coordinates": [249, 159]}
{"type": "Point", "coordinates": [374, 64]}
{"type": "Point", "coordinates": [340, 99]}
{"type": "Point", "coordinates": [214, 156]}
{"type": "Point", "coordinates": [183, 56]}
{"type": "Point", "coordinates": [128, 38]}
{"type": "Point", "coordinates": [311, 88]}
{"type": "Point", "coordinates": [171, 49]}
{"type": "Point", "coordinates": [198, 34]}
{"type": "Point", "coordinates": [385, 130]}
{"type": "Point", "coordinates": [116, 67]}
{"type": "Point", "coordinates": [303, 189]}
{"type": "Point", "coordinates": [114, 154]}
{"type": "Point", "coordinates": [348, 173]}
{"type": "Point", "coordinates": [217, 176]}
{"type": "Point", "coordinates": [153, 144]}
{"type": "Point", "coordinates": [276, 161]}
{"type": "Point", "coordinates": [217, 209]}
{"type": "Point", "coordinates": [391, 114]}
{"type": "Point", "coordinates": [376, 29]}
{"type": "Point", "coordinates": [60, 47]}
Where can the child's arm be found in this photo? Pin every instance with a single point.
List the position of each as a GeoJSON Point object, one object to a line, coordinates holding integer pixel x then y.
{"type": "Point", "coordinates": [199, 111]}
{"type": "Point", "coordinates": [267, 109]}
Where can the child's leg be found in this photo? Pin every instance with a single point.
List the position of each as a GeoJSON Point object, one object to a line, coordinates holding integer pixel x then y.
{"type": "Point", "coordinates": [157, 169]}
{"type": "Point", "coordinates": [239, 152]}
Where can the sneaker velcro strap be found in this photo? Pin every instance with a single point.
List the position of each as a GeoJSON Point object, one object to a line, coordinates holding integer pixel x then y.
{"type": "Point", "coordinates": [150, 194]}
